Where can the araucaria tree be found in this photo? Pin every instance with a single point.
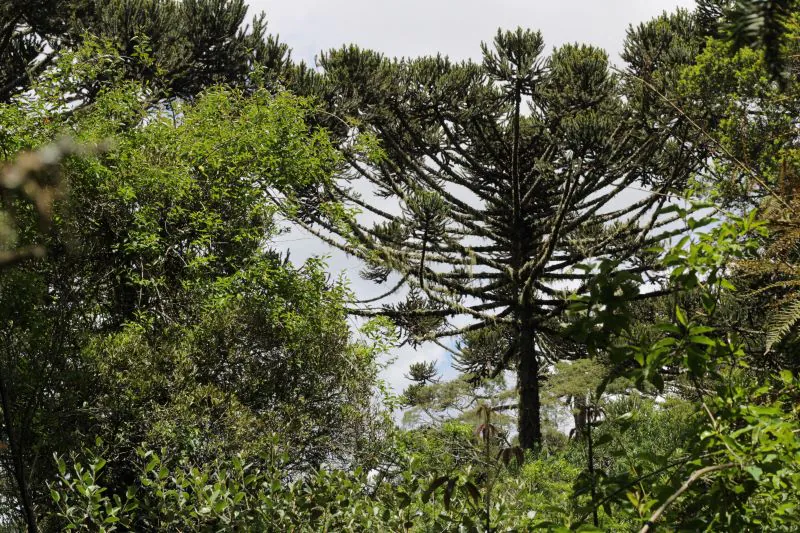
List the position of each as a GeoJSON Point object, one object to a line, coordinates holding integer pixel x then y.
{"type": "Point", "coordinates": [511, 175]}
{"type": "Point", "coordinates": [192, 43]}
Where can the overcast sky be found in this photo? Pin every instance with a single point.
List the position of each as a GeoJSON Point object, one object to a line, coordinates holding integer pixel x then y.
{"type": "Point", "coordinates": [452, 27]}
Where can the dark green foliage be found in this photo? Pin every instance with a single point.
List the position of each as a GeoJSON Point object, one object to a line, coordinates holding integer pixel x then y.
{"type": "Point", "coordinates": [194, 43]}
{"type": "Point", "coordinates": [222, 495]}
{"type": "Point", "coordinates": [762, 23]}
{"type": "Point", "coordinates": [656, 54]}
{"type": "Point", "coordinates": [756, 165]}
{"type": "Point", "coordinates": [481, 352]}
{"type": "Point", "coordinates": [709, 15]}
{"type": "Point", "coordinates": [186, 377]}
{"type": "Point", "coordinates": [507, 173]}
{"type": "Point", "coordinates": [734, 439]}
{"type": "Point", "coordinates": [424, 372]}
{"type": "Point", "coordinates": [25, 27]}
{"type": "Point", "coordinates": [432, 479]}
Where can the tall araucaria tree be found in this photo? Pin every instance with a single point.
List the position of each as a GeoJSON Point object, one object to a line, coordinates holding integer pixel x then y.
{"type": "Point", "coordinates": [511, 175]}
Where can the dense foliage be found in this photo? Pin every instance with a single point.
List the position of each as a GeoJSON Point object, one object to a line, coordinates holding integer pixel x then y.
{"type": "Point", "coordinates": [160, 315]}
{"type": "Point", "coordinates": [194, 43]}
{"type": "Point", "coordinates": [629, 364]}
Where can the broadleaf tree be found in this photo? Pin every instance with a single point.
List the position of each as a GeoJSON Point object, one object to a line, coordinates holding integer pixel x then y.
{"type": "Point", "coordinates": [158, 311]}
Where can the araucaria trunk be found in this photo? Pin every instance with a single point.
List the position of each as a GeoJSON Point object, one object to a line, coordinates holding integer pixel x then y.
{"type": "Point", "coordinates": [530, 430]}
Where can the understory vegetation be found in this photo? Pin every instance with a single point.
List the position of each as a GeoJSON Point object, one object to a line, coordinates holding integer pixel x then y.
{"type": "Point", "coordinates": [609, 257]}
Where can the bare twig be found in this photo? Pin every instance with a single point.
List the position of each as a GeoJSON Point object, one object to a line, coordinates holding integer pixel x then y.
{"type": "Point", "coordinates": [697, 474]}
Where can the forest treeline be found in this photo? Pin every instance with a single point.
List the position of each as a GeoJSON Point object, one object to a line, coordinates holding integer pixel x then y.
{"type": "Point", "coordinates": [607, 254]}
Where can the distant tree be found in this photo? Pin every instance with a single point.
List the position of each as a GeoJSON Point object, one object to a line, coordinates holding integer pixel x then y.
{"type": "Point", "coordinates": [511, 175]}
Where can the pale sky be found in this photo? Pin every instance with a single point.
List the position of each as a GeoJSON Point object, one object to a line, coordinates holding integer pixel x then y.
{"type": "Point", "coordinates": [455, 28]}
{"type": "Point", "coordinates": [452, 27]}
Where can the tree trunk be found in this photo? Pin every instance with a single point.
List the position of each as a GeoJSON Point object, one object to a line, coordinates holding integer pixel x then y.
{"type": "Point", "coordinates": [530, 430]}
{"type": "Point", "coordinates": [17, 458]}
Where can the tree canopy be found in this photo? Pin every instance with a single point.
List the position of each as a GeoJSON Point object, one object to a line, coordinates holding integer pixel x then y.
{"type": "Point", "coordinates": [160, 313]}
{"type": "Point", "coordinates": [194, 43]}
{"type": "Point", "coordinates": [607, 255]}
{"type": "Point", "coordinates": [511, 176]}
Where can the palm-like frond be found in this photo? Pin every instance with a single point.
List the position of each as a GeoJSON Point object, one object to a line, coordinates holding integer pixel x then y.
{"type": "Point", "coordinates": [782, 321]}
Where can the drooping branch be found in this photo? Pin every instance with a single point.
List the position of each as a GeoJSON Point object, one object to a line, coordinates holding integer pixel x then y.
{"type": "Point", "coordinates": [522, 198]}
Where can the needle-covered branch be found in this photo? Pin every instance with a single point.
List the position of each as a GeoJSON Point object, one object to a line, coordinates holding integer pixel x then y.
{"type": "Point", "coordinates": [508, 175]}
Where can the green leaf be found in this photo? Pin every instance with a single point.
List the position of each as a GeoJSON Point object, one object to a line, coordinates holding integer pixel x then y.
{"type": "Point", "coordinates": [680, 316]}
{"type": "Point", "coordinates": [754, 471]}
{"type": "Point", "coordinates": [702, 339]}
{"type": "Point", "coordinates": [669, 328]}
{"type": "Point", "coordinates": [151, 464]}
{"type": "Point", "coordinates": [448, 492]}
{"type": "Point", "coordinates": [472, 492]}
{"type": "Point", "coordinates": [435, 484]}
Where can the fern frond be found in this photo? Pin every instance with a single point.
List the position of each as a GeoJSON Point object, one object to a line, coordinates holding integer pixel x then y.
{"type": "Point", "coordinates": [781, 322]}
{"type": "Point", "coordinates": [787, 284]}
